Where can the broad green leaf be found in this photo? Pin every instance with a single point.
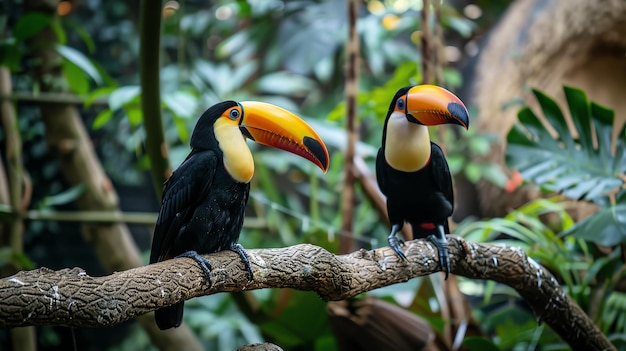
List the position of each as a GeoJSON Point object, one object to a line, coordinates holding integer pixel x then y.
{"type": "Point", "coordinates": [285, 83]}
{"type": "Point", "coordinates": [30, 24]}
{"type": "Point", "coordinates": [183, 104]}
{"type": "Point", "coordinates": [80, 60]}
{"type": "Point", "coordinates": [76, 78]}
{"type": "Point", "coordinates": [607, 226]}
{"type": "Point", "coordinates": [124, 95]}
{"type": "Point", "coordinates": [561, 163]}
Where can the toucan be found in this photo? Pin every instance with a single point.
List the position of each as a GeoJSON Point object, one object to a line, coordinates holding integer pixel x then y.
{"type": "Point", "coordinates": [203, 202]}
{"type": "Point", "coordinates": [412, 171]}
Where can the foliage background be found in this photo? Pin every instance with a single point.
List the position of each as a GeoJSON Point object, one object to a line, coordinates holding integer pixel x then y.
{"type": "Point", "coordinates": [290, 53]}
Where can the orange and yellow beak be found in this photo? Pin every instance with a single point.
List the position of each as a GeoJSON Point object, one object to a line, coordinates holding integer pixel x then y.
{"type": "Point", "coordinates": [431, 105]}
{"type": "Point", "coordinates": [271, 125]}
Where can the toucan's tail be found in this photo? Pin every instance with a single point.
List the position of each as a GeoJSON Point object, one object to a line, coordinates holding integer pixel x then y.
{"type": "Point", "coordinates": [169, 317]}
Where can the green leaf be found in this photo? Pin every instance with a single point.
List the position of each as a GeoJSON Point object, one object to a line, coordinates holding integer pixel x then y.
{"type": "Point", "coordinates": [124, 95]}
{"type": "Point", "coordinates": [561, 163]}
{"type": "Point", "coordinates": [285, 83]}
{"type": "Point", "coordinates": [10, 54]}
{"type": "Point", "coordinates": [102, 118]}
{"type": "Point", "coordinates": [183, 104]}
{"type": "Point", "coordinates": [80, 60]}
{"type": "Point", "coordinates": [479, 343]}
{"type": "Point", "coordinates": [606, 227]}
{"type": "Point", "coordinates": [76, 78]}
{"type": "Point", "coordinates": [19, 259]}
{"type": "Point", "coordinates": [82, 33]}
{"type": "Point", "coordinates": [63, 197]}
{"type": "Point", "coordinates": [30, 24]}
{"type": "Point", "coordinates": [96, 93]}
{"type": "Point", "coordinates": [59, 31]}
{"type": "Point", "coordinates": [134, 115]}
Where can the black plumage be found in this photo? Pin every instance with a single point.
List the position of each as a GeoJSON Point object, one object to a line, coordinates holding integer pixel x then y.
{"type": "Point", "coordinates": [424, 197]}
{"type": "Point", "coordinates": [203, 202]}
{"type": "Point", "coordinates": [202, 206]}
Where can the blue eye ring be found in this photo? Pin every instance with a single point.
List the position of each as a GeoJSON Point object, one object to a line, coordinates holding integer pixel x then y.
{"type": "Point", "coordinates": [234, 114]}
{"type": "Point", "coordinates": [400, 104]}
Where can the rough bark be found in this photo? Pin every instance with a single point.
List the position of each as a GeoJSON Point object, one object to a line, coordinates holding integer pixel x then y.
{"type": "Point", "coordinates": [70, 297]}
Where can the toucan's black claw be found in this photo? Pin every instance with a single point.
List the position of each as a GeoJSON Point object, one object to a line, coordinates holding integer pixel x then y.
{"type": "Point", "coordinates": [202, 262]}
{"type": "Point", "coordinates": [395, 243]}
{"type": "Point", "coordinates": [244, 257]}
{"type": "Point", "coordinates": [441, 243]}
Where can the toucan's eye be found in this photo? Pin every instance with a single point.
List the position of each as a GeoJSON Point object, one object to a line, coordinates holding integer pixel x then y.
{"type": "Point", "coordinates": [234, 114]}
{"type": "Point", "coordinates": [400, 104]}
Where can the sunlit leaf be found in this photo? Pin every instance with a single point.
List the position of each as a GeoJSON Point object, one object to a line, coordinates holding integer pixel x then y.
{"type": "Point", "coordinates": [76, 78]}
{"type": "Point", "coordinates": [124, 95]}
{"type": "Point", "coordinates": [102, 118]}
{"type": "Point", "coordinates": [80, 60]}
{"type": "Point", "coordinates": [134, 115]}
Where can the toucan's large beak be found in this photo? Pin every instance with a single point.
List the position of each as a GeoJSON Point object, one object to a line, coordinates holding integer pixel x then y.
{"type": "Point", "coordinates": [271, 125]}
{"type": "Point", "coordinates": [431, 105]}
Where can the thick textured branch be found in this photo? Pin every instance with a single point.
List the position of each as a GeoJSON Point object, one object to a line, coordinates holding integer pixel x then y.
{"type": "Point", "coordinates": [70, 297]}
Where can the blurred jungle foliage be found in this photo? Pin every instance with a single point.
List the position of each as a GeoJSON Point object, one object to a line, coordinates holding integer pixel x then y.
{"type": "Point", "coordinates": [290, 53]}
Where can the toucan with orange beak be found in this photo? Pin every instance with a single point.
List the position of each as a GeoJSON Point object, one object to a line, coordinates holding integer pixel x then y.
{"type": "Point", "coordinates": [412, 171]}
{"type": "Point", "coordinates": [203, 201]}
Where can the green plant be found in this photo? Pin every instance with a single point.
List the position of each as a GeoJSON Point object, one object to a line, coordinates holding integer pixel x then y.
{"type": "Point", "coordinates": [586, 167]}
{"type": "Point", "coordinates": [581, 168]}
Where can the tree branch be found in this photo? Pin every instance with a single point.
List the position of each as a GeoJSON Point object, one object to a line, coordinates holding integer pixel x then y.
{"type": "Point", "coordinates": [70, 297]}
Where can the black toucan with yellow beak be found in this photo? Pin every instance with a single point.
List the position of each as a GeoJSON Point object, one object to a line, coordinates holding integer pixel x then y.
{"type": "Point", "coordinates": [412, 171]}
{"type": "Point", "coordinates": [203, 201]}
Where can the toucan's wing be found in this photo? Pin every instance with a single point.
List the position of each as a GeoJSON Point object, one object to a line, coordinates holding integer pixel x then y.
{"type": "Point", "coordinates": [380, 171]}
{"type": "Point", "coordinates": [441, 174]}
{"type": "Point", "coordinates": [187, 186]}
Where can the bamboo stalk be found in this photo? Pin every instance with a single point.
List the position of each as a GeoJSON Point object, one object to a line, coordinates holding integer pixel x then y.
{"type": "Point", "coordinates": [351, 88]}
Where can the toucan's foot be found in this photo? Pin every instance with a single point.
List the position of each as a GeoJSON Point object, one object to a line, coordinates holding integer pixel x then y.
{"type": "Point", "coordinates": [244, 257]}
{"type": "Point", "coordinates": [202, 262]}
{"type": "Point", "coordinates": [442, 249]}
{"type": "Point", "coordinates": [394, 242]}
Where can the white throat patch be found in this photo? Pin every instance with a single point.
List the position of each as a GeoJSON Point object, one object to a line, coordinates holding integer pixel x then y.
{"type": "Point", "coordinates": [407, 146]}
{"type": "Point", "coordinates": [237, 156]}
